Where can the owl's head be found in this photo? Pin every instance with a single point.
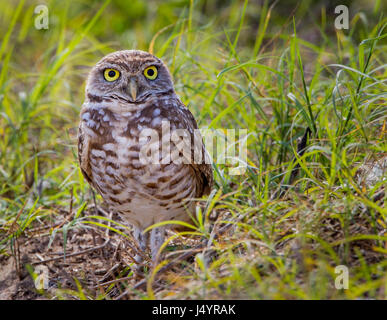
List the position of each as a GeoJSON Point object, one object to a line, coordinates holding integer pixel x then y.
{"type": "Point", "coordinates": [129, 75]}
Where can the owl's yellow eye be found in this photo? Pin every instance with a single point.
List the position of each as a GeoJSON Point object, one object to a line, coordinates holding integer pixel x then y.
{"type": "Point", "coordinates": [111, 74]}
{"type": "Point", "coordinates": [150, 72]}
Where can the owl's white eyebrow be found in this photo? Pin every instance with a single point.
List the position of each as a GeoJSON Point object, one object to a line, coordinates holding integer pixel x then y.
{"type": "Point", "coordinates": [156, 64]}
{"type": "Point", "coordinates": [112, 66]}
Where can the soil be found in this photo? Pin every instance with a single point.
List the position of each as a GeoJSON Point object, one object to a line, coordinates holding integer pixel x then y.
{"type": "Point", "coordinates": [100, 261]}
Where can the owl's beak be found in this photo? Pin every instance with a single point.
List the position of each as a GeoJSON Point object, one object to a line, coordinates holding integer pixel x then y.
{"type": "Point", "coordinates": [133, 88]}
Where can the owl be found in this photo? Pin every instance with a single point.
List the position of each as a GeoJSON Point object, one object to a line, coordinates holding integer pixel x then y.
{"type": "Point", "coordinates": [131, 110]}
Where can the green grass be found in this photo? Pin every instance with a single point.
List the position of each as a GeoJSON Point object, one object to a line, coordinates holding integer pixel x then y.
{"type": "Point", "coordinates": [235, 65]}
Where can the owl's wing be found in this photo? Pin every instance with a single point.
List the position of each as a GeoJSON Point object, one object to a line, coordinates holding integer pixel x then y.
{"type": "Point", "coordinates": [203, 167]}
{"type": "Point", "coordinates": [207, 173]}
{"type": "Point", "coordinates": [83, 154]}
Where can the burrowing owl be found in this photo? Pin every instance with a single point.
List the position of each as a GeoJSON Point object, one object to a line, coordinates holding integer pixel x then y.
{"type": "Point", "coordinates": [130, 94]}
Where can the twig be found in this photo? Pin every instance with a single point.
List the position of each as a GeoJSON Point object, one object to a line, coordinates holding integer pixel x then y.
{"type": "Point", "coordinates": [109, 272]}
{"type": "Point", "coordinates": [111, 282]}
{"type": "Point", "coordinates": [138, 285]}
{"type": "Point", "coordinates": [71, 200]}
{"type": "Point", "coordinates": [13, 232]}
{"type": "Point", "coordinates": [73, 254]}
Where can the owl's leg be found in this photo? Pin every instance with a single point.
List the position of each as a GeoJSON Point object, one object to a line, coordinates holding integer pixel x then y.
{"type": "Point", "coordinates": [142, 242]}
{"type": "Point", "coordinates": [157, 236]}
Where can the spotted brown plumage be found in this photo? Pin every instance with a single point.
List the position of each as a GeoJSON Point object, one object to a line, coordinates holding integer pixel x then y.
{"type": "Point", "coordinates": [113, 118]}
